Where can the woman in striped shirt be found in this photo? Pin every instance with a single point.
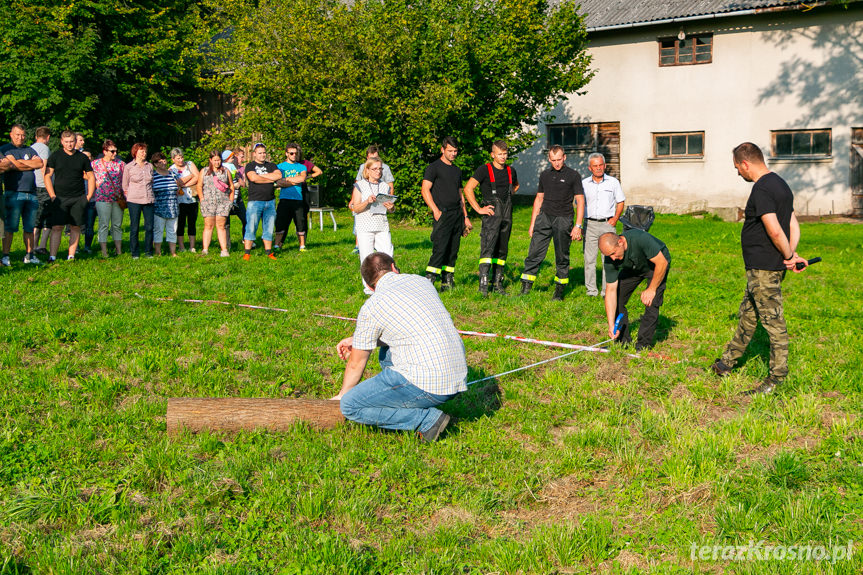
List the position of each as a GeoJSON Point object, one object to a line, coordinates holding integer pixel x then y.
{"type": "Point", "coordinates": [166, 190]}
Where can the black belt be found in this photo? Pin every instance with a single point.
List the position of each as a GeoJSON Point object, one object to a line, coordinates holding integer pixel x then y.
{"type": "Point", "coordinates": [598, 219]}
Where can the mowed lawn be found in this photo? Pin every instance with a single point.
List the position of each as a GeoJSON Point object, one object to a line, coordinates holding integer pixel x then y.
{"type": "Point", "coordinates": [594, 463]}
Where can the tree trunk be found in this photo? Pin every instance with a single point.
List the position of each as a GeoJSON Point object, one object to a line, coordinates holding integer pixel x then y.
{"type": "Point", "coordinates": [235, 414]}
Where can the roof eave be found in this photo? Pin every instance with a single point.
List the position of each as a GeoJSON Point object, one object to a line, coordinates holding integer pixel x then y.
{"type": "Point", "coordinates": [747, 12]}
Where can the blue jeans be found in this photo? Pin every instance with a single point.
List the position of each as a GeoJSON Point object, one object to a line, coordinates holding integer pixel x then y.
{"type": "Point", "coordinates": [20, 206]}
{"type": "Point", "coordinates": [135, 211]}
{"type": "Point", "coordinates": [390, 401]}
{"type": "Point", "coordinates": [264, 212]}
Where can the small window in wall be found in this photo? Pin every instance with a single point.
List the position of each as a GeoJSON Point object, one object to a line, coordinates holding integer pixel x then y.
{"type": "Point", "coordinates": [696, 49]}
{"type": "Point", "coordinates": [678, 145]}
{"type": "Point", "coordinates": [806, 143]}
{"type": "Point", "coordinates": [571, 136]}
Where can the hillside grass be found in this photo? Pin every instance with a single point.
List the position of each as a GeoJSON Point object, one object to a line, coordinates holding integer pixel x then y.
{"type": "Point", "coordinates": [594, 463]}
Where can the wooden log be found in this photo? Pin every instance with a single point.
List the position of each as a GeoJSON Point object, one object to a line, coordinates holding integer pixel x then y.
{"type": "Point", "coordinates": [235, 414]}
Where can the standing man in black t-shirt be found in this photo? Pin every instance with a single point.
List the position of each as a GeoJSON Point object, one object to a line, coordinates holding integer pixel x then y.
{"type": "Point", "coordinates": [441, 191]}
{"type": "Point", "coordinates": [69, 168]}
{"type": "Point", "coordinates": [261, 176]}
{"type": "Point", "coordinates": [552, 220]}
{"type": "Point", "coordinates": [498, 183]}
{"type": "Point", "coordinates": [769, 237]}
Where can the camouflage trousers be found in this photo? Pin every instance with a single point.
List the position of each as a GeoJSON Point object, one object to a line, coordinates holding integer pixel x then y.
{"type": "Point", "coordinates": [762, 300]}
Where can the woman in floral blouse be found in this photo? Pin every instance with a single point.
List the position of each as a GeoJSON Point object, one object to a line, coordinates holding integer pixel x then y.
{"type": "Point", "coordinates": [109, 189]}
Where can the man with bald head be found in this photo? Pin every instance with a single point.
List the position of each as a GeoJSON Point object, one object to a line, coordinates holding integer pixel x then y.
{"type": "Point", "coordinates": [630, 258]}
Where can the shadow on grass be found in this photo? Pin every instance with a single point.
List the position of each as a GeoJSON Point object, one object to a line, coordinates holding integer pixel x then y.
{"type": "Point", "coordinates": [480, 399]}
{"type": "Point", "coordinates": [664, 326]}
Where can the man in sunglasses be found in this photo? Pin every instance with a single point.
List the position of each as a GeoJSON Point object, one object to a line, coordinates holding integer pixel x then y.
{"type": "Point", "coordinates": [291, 206]}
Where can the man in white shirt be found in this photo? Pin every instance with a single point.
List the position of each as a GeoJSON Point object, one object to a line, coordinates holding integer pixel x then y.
{"type": "Point", "coordinates": [421, 354]}
{"type": "Point", "coordinates": [604, 202]}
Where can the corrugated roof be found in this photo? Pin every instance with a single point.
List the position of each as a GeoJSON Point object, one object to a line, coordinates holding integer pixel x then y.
{"type": "Point", "coordinates": [614, 13]}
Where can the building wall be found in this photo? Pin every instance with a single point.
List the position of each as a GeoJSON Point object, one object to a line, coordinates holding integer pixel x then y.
{"type": "Point", "coordinates": [786, 70]}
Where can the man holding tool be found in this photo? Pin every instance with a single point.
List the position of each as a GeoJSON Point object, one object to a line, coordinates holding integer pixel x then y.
{"type": "Point", "coordinates": [769, 237]}
{"type": "Point", "coordinates": [630, 258]}
{"type": "Point", "coordinates": [421, 354]}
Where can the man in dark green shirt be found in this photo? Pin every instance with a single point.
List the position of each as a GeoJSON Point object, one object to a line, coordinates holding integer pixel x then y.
{"type": "Point", "coordinates": [631, 257]}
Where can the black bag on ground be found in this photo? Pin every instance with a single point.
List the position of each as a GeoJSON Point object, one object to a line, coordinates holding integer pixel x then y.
{"type": "Point", "coordinates": [638, 217]}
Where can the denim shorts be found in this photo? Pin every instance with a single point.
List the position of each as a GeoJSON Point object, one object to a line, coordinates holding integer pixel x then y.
{"type": "Point", "coordinates": [264, 212]}
{"type": "Point", "coordinates": [20, 206]}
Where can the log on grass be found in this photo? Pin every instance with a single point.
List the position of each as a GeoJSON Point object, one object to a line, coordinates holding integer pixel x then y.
{"type": "Point", "coordinates": [236, 414]}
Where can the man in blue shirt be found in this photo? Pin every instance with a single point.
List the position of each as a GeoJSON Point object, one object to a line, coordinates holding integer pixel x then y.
{"type": "Point", "coordinates": [291, 206]}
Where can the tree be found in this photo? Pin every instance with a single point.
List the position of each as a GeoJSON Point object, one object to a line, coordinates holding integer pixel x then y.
{"type": "Point", "coordinates": [106, 68]}
{"type": "Point", "coordinates": [338, 76]}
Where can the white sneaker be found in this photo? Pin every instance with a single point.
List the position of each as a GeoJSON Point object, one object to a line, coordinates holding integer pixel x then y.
{"type": "Point", "coordinates": [70, 258]}
{"type": "Point", "coordinates": [31, 259]}
{"type": "Point", "coordinates": [5, 262]}
{"type": "Point", "coordinates": [193, 250]}
{"type": "Point", "coordinates": [225, 254]}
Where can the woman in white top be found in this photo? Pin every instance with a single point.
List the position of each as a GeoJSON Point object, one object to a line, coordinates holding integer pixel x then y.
{"type": "Point", "coordinates": [188, 218]}
{"type": "Point", "coordinates": [373, 230]}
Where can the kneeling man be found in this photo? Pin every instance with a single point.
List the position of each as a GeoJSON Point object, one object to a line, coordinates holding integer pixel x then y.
{"type": "Point", "coordinates": [630, 258]}
{"type": "Point", "coordinates": [421, 354]}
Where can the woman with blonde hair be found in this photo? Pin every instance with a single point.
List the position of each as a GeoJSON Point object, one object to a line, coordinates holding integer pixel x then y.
{"type": "Point", "coordinates": [216, 192]}
{"type": "Point", "coordinates": [373, 229]}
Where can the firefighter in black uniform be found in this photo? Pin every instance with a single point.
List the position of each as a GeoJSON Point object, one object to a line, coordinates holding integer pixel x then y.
{"type": "Point", "coordinates": [497, 182]}
{"type": "Point", "coordinates": [441, 191]}
{"type": "Point", "coordinates": [552, 220]}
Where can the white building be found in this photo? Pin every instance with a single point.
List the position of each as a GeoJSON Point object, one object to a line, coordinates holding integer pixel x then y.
{"type": "Point", "coordinates": [678, 84]}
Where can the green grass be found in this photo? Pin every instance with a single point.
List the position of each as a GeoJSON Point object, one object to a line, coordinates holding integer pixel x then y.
{"type": "Point", "coordinates": [595, 463]}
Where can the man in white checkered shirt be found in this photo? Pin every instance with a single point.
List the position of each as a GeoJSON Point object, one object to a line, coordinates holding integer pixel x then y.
{"type": "Point", "coordinates": [422, 356]}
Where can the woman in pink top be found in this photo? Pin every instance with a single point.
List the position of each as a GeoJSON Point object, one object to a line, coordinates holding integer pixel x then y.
{"type": "Point", "coordinates": [138, 187]}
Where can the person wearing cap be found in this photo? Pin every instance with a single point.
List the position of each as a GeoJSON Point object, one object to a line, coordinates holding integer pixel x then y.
{"type": "Point", "coordinates": [234, 161]}
{"type": "Point", "coordinates": [261, 176]}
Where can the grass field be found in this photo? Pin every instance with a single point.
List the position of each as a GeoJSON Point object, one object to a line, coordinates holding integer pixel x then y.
{"type": "Point", "coordinates": [595, 463]}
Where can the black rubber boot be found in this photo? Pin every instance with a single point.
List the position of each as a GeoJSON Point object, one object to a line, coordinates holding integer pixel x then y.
{"type": "Point", "coordinates": [483, 285]}
{"type": "Point", "coordinates": [525, 287]}
{"type": "Point", "coordinates": [558, 292]}
{"type": "Point", "coordinates": [447, 281]}
{"type": "Point", "coordinates": [432, 277]}
{"type": "Point", "coordinates": [498, 280]}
